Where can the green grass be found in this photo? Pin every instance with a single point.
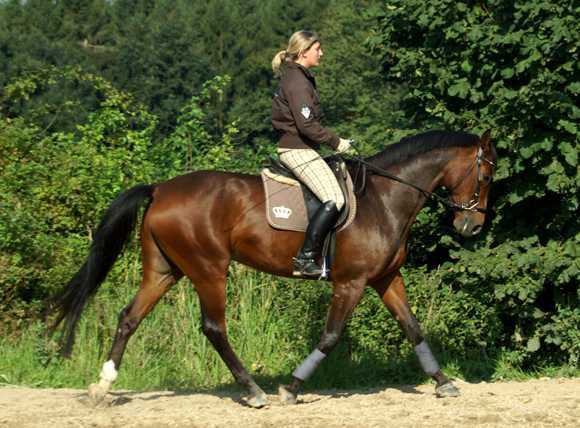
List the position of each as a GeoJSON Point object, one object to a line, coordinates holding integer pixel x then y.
{"type": "Point", "coordinates": [169, 350]}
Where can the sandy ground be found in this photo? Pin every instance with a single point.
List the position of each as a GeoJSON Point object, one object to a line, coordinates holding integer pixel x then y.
{"type": "Point", "coordinates": [536, 403]}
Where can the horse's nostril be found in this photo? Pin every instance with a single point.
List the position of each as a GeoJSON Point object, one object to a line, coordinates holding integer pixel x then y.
{"type": "Point", "coordinates": [476, 230]}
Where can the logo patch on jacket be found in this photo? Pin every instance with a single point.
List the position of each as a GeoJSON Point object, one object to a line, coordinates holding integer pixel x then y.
{"type": "Point", "coordinates": [305, 111]}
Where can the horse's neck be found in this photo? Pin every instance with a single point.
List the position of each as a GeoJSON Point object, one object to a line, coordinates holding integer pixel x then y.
{"type": "Point", "coordinates": [424, 172]}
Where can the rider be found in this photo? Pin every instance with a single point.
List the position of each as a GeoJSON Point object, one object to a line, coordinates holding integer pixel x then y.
{"type": "Point", "coordinates": [296, 116]}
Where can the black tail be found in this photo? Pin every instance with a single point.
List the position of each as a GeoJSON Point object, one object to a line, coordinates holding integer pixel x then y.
{"type": "Point", "coordinates": [108, 243]}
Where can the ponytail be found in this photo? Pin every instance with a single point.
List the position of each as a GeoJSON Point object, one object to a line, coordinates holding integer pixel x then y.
{"type": "Point", "coordinates": [279, 58]}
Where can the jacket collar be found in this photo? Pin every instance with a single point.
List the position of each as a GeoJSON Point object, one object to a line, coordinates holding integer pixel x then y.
{"type": "Point", "coordinates": [304, 70]}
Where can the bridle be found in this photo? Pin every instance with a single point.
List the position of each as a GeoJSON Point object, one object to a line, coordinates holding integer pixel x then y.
{"type": "Point", "coordinates": [470, 205]}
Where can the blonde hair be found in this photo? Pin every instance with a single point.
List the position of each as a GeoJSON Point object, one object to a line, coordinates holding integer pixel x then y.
{"type": "Point", "coordinates": [299, 42]}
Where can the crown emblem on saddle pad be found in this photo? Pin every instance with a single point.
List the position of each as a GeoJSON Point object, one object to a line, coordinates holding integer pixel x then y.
{"type": "Point", "coordinates": [282, 212]}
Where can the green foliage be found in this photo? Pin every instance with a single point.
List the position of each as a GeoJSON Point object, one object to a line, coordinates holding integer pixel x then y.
{"type": "Point", "coordinates": [357, 101]}
{"type": "Point", "coordinates": [504, 66]}
{"type": "Point", "coordinates": [170, 350]}
{"type": "Point", "coordinates": [533, 289]}
{"type": "Point", "coordinates": [161, 52]}
{"type": "Point", "coordinates": [511, 67]}
{"type": "Point", "coordinates": [266, 327]}
{"type": "Point", "coordinates": [194, 144]}
{"type": "Point", "coordinates": [55, 185]}
{"type": "Point", "coordinates": [456, 321]}
{"type": "Point", "coordinates": [190, 143]}
{"type": "Point", "coordinates": [99, 95]}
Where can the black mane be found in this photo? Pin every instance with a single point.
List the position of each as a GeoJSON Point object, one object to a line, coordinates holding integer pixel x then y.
{"type": "Point", "coordinates": [419, 144]}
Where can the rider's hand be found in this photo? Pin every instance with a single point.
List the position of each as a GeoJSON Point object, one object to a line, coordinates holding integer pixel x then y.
{"type": "Point", "coordinates": [345, 147]}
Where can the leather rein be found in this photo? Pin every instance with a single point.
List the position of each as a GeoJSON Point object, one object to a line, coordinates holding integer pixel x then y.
{"type": "Point", "coordinates": [470, 205]}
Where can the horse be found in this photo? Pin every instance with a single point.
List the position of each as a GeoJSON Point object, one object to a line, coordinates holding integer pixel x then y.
{"type": "Point", "coordinates": [194, 225]}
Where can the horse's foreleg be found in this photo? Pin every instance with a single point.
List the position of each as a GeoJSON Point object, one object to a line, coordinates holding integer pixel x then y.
{"type": "Point", "coordinates": [212, 299]}
{"type": "Point", "coordinates": [153, 287]}
{"type": "Point", "coordinates": [344, 299]}
{"type": "Point", "coordinates": [393, 294]}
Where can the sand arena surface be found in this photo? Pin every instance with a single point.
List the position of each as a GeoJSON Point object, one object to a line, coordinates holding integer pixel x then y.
{"type": "Point", "coordinates": [536, 403]}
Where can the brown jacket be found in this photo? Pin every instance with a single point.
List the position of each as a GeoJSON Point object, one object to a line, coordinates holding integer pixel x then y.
{"type": "Point", "coordinates": [296, 111]}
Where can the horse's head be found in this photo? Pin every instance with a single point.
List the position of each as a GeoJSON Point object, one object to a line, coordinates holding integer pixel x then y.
{"type": "Point", "coordinates": [469, 180]}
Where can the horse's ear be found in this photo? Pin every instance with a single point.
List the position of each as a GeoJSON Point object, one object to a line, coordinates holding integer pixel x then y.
{"type": "Point", "coordinates": [485, 141]}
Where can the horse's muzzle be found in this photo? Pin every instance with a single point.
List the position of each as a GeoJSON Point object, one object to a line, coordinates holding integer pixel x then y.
{"type": "Point", "coordinates": [466, 226]}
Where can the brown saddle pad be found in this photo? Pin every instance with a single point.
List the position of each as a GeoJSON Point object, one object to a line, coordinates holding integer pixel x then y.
{"type": "Point", "coordinates": [285, 207]}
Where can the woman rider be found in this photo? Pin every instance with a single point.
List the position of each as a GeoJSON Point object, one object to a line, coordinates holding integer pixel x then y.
{"type": "Point", "coordinates": [296, 116]}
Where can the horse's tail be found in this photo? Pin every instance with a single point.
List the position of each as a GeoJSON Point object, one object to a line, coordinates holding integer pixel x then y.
{"type": "Point", "coordinates": [108, 243]}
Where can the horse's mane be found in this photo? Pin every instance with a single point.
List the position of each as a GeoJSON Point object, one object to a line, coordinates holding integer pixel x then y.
{"type": "Point", "coordinates": [418, 144]}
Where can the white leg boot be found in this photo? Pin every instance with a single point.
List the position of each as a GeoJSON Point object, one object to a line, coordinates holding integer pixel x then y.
{"type": "Point", "coordinates": [98, 391]}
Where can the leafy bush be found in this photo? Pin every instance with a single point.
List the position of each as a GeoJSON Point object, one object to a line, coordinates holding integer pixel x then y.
{"type": "Point", "coordinates": [508, 66]}
{"type": "Point", "coordinates": [55, 185]}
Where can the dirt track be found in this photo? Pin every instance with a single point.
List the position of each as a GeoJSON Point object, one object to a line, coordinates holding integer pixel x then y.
{"type": "Point", "coordinates": [537, 403]}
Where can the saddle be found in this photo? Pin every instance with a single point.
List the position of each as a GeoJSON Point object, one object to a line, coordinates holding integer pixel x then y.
{"type": "Point", "coordinates": [290, 204]}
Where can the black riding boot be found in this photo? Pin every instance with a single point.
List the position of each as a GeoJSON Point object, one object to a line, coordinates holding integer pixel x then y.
{"type": "Point", "coordinates": [323, 220]}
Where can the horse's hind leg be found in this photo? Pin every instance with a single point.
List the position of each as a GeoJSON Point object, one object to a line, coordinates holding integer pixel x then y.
{"type": "Point", "coordinates": [211, 291]}
{"type": "Point", "coordinates": [158, 277]}
{"type": "Point", "coordinates": [393, 295]}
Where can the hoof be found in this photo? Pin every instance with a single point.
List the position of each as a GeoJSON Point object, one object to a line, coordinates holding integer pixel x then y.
{"type": "Point", "coordinates": [447, 390]}
{"type": "Point", "coordinates": [96, 394]}
{"type": "Point", "coordinates": [257, 400]}
{"type": "Point", "coordinates": [286, 396]}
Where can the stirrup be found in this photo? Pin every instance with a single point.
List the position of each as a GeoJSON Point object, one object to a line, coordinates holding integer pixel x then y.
{"type": "Point", "coordinates": [306, 267]}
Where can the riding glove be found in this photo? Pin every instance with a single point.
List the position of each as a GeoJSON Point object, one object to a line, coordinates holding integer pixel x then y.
{"type": "Point", "coordinates": [345, 146]}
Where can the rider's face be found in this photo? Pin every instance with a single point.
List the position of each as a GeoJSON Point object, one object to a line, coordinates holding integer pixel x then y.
{"type": "Point", "coordinates": [311, 57]}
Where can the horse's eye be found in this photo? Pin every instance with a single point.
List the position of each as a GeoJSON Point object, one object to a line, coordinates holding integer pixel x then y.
{"type": "Point", "coordinates": [487, 179]}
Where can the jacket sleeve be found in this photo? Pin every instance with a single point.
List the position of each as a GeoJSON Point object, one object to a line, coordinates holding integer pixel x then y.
{"type": "Point", "coordinates": [301, 102]}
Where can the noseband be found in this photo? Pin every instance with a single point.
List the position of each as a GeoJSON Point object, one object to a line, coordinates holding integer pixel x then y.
{"type": "Point", "coordinates": [471, 205]}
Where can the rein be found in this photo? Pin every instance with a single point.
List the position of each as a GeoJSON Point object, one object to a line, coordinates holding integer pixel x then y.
{"type": "Point", "coordinates": [471, 205]}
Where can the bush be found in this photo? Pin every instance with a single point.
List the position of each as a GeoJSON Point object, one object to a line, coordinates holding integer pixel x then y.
{"type": "Point", "coordinates": [510, 67]}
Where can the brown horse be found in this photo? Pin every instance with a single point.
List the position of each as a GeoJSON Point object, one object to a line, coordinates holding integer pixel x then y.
{"type": "Point", "coordinates": [196, 224]}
